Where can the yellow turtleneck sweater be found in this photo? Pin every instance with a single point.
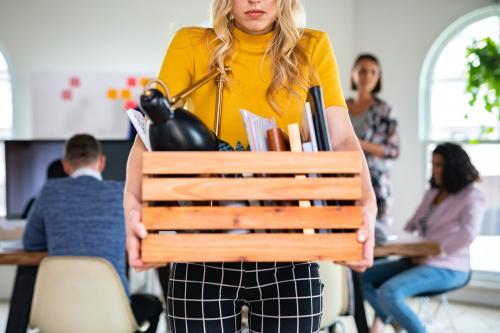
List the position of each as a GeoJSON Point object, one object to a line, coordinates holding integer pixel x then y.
{"type": "Point", "coordinates": [187, 60]}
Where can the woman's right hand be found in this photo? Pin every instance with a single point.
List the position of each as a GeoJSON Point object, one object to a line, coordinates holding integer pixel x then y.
{"type": "Point", "coordinates": [136, 232]}
{"type": "Point", "coordinates": [132, 204]}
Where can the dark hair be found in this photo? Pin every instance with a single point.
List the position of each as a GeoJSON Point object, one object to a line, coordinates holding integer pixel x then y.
{"type": "Point", "coordinates": [371, 57]}
{"type": "Point", "coordinates": [81, 150]}
{"type": "Point", "coordinates": [56, 170]}
{"type": "Point", "coordinates": [458, 170]}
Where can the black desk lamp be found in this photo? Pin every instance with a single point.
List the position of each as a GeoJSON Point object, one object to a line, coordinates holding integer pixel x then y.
{"type": "Point", "coordinates": [173, 128]}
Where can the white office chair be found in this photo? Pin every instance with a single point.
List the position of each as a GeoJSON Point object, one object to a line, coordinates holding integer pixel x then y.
{"type": "Point", "coordinates": [335, 295]}
{"type": "Point", "coordinates": [424, 308]}
{"type": "Point", "coordinates": [81, 295]}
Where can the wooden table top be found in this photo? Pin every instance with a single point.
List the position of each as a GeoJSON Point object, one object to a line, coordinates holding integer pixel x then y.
{"type": "Point", "coordinates": [410, 249]}
{"type": "Point", "coordinates": [413, 249]}
{"type": "Point", "coordinates": [21, 258]}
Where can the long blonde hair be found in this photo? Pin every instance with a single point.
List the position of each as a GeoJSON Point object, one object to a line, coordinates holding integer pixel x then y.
{"type": "Point", "coordinates": [284, 50]}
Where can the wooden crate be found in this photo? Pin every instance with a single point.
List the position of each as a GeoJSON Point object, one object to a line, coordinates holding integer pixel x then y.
{"type": "Point", "coordinates": [183, 176]}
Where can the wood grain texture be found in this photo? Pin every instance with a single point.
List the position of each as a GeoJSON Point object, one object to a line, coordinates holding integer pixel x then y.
{"type": "Point", "coordinates": [296, 146]}
{"type": "Point", "coordinates": [158, 248]}
{"type": "Point", "coordinates": [158, 189]}
{"type": "Point", "coordinates": [416, 249]}
{"type": "Point", "coordinates": [210, 218]}
{"type": "Point", "coordinates": [176, 163]}
{"type": "Point", "coordinates": [21, 258]}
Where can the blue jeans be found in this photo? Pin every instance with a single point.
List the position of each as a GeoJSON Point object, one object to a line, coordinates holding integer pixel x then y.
{"type": "Point", "coordinates": [386, 286]}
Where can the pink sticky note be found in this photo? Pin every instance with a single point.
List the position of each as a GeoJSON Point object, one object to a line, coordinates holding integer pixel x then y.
{"type": "Point", "coordinates": [130, 104]}
{"type": "Point", "coordinates": [74, 81]}
{"type": "Point", "coordinates": [66, 95]}
{"type": "Point", "coordinates": [131, 81]}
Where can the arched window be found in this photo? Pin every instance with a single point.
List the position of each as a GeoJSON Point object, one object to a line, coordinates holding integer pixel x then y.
{"type": "Point", "coordinates": [443, 109]}
{"type": "Point", "coordinates": [5, 121]}
{"type": "Point", "coordinates": [5, 98]}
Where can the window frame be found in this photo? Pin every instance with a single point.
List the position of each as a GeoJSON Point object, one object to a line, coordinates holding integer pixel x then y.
{"type": "Point", "coordinates": [8, 132]}
{"type": "Point", "coordinates": [429, 65]}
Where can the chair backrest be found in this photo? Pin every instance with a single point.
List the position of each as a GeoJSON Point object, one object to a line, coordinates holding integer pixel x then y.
{"type": "Point", "coordinates": [335, 292]}
{"type": "Point", "coordinates": [80, 295]}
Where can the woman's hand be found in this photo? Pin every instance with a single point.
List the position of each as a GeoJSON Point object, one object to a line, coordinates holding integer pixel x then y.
{"type": "Point", "coordinates": [366, 236]}
{"type": "Point", "coordinates": [344, 139]}
{"type": "Point", "coordinates": [372, 148]}
{"type": "Point", "coordinates": [132, 204]}
{"type": "Point", "coordinates": [135, 233]}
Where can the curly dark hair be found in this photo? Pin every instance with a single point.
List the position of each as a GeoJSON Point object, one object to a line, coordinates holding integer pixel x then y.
{"type": "Point", "coordinates": [458, 170]}
{"type": "Point", "coordinates": [373, 58]}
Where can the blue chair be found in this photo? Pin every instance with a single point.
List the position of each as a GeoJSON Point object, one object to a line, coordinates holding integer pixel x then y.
{"type": "Point", "coordinates": [425, 306]}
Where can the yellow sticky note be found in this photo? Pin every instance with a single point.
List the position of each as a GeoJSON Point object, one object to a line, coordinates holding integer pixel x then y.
{"type": "Point", "coordinates": [112, 94]}
{"type": "Point", "coordinates": [126, 94]}
{"type": "Point", "coordinates": [144, 81]}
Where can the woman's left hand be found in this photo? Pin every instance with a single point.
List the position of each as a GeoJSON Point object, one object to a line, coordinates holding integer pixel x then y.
{"type": "Point", "coordinates": [366, 236]}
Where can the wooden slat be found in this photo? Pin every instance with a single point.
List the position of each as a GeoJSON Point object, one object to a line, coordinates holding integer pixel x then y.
{"type": "Point", "coordinates": [250, 162]}
{"type": "Point", "coordinates": [296, 146]}
{"type": "Point", "coordinates": [158, 248]}
{"type": "Point", "coordinates": [155, 189]}
{"type": "Point", "coordinates": [209, 218]}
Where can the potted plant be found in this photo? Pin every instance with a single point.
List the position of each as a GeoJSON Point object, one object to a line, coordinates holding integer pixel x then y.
{"type": "Point", "coordinates": [483, 74]}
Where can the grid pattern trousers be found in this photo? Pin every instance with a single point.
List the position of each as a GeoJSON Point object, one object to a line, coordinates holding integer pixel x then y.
{"type": "Point", "coordinates": [281, 297]}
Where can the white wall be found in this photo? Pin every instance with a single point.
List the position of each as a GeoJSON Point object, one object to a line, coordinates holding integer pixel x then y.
{"type": "Point", "coordinates": [128, 36]}
{"type": "Point", "coordinates": [91, 35]}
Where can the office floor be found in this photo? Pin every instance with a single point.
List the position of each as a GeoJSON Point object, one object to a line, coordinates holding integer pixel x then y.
{"type": "Point", "coordinates": [468, 319]}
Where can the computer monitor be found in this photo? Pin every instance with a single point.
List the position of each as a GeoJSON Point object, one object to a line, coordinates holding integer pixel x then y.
{"type": "Point", "coordinates": [26, 163]}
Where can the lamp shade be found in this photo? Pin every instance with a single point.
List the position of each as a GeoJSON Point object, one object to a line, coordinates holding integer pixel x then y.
{"type": "Point", "coordinates": [174, 130]}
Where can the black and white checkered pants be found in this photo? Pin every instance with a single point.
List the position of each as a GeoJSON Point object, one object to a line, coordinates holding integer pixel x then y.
{"type": "Point", "coordinates": [281, 297]}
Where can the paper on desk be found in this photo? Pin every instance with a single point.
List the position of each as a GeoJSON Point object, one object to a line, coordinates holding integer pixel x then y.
{"type": "Point", "coordinates": [141, 125]}
{"type": "Point", "coordinates": [10, 245]}
{"type": "Point", "coordinates": [398, 235]}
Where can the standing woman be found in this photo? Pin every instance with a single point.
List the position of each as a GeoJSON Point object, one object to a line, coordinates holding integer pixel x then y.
{"type": "Point", "coordinates": [274, 61]}
{"type": "Point", "coordinates": [375, 126]}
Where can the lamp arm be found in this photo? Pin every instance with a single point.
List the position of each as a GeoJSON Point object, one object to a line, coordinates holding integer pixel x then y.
{"type": "Point", "coordinates": [178, 100]}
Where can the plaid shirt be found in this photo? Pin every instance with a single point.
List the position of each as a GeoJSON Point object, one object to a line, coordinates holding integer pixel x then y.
{"type": "Point", "coordinates": [381, 127]}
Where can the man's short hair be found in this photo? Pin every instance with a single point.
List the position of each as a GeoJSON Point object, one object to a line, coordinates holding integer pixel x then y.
{"type": "Point", "coordinates": [81, 150]}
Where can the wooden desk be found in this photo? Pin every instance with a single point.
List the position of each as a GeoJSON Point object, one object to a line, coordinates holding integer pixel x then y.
{"type": "Point", "coordinates": [28, 262]}
{"type": "Point", "coordinates": [21, 258]}
{"type": "Point", "coordinates": [22, 293]}
{"type": "Point", "coordinates": [409, 249]}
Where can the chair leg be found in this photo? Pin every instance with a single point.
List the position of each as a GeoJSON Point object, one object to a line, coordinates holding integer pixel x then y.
{"type": "Point", "coordinates": [447, 309]}
{"type": "Point", "coordinates": [425, 307]}
{"type": "Point", "coordinates": [333, 327]}
{"type": "Point", "coordinates": [429, 316]}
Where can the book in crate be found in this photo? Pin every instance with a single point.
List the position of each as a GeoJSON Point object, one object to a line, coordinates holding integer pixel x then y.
{"type": "Point", "coordinates": [199, 233]}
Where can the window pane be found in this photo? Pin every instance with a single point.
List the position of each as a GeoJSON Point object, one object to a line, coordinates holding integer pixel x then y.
{"type": "Point", "coordinates": [449, 106]}
{"type": "Point", "coordinates": [452, 62]}
{"type": "Point", "coordinates": [448, 101]}
{"type": "Point", "coordinates": [2, 181]}
{"type": "Point", "coordinates": [5, 105]}
{"type": "Point", "coordinates": [3, 64]}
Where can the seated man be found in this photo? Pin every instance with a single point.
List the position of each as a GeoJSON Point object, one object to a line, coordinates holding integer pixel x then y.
{"type": "Point", "coordinates": [83, 216]}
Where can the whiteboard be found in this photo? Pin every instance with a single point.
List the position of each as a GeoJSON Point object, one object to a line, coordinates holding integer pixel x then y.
{"type": "Point", "coordinates": [66, 103]}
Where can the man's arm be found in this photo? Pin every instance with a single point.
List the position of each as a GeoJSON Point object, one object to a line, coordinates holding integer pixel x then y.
{"type": "Point", "coordinates": [34, 237]}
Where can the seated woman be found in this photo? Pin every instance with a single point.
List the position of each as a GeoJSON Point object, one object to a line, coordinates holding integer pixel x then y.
{"type": "Point", "coordinates": [450, 213]}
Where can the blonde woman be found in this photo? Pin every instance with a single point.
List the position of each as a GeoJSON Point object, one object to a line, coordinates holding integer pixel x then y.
{"type": "Point", "coordinates": [274, 60]}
